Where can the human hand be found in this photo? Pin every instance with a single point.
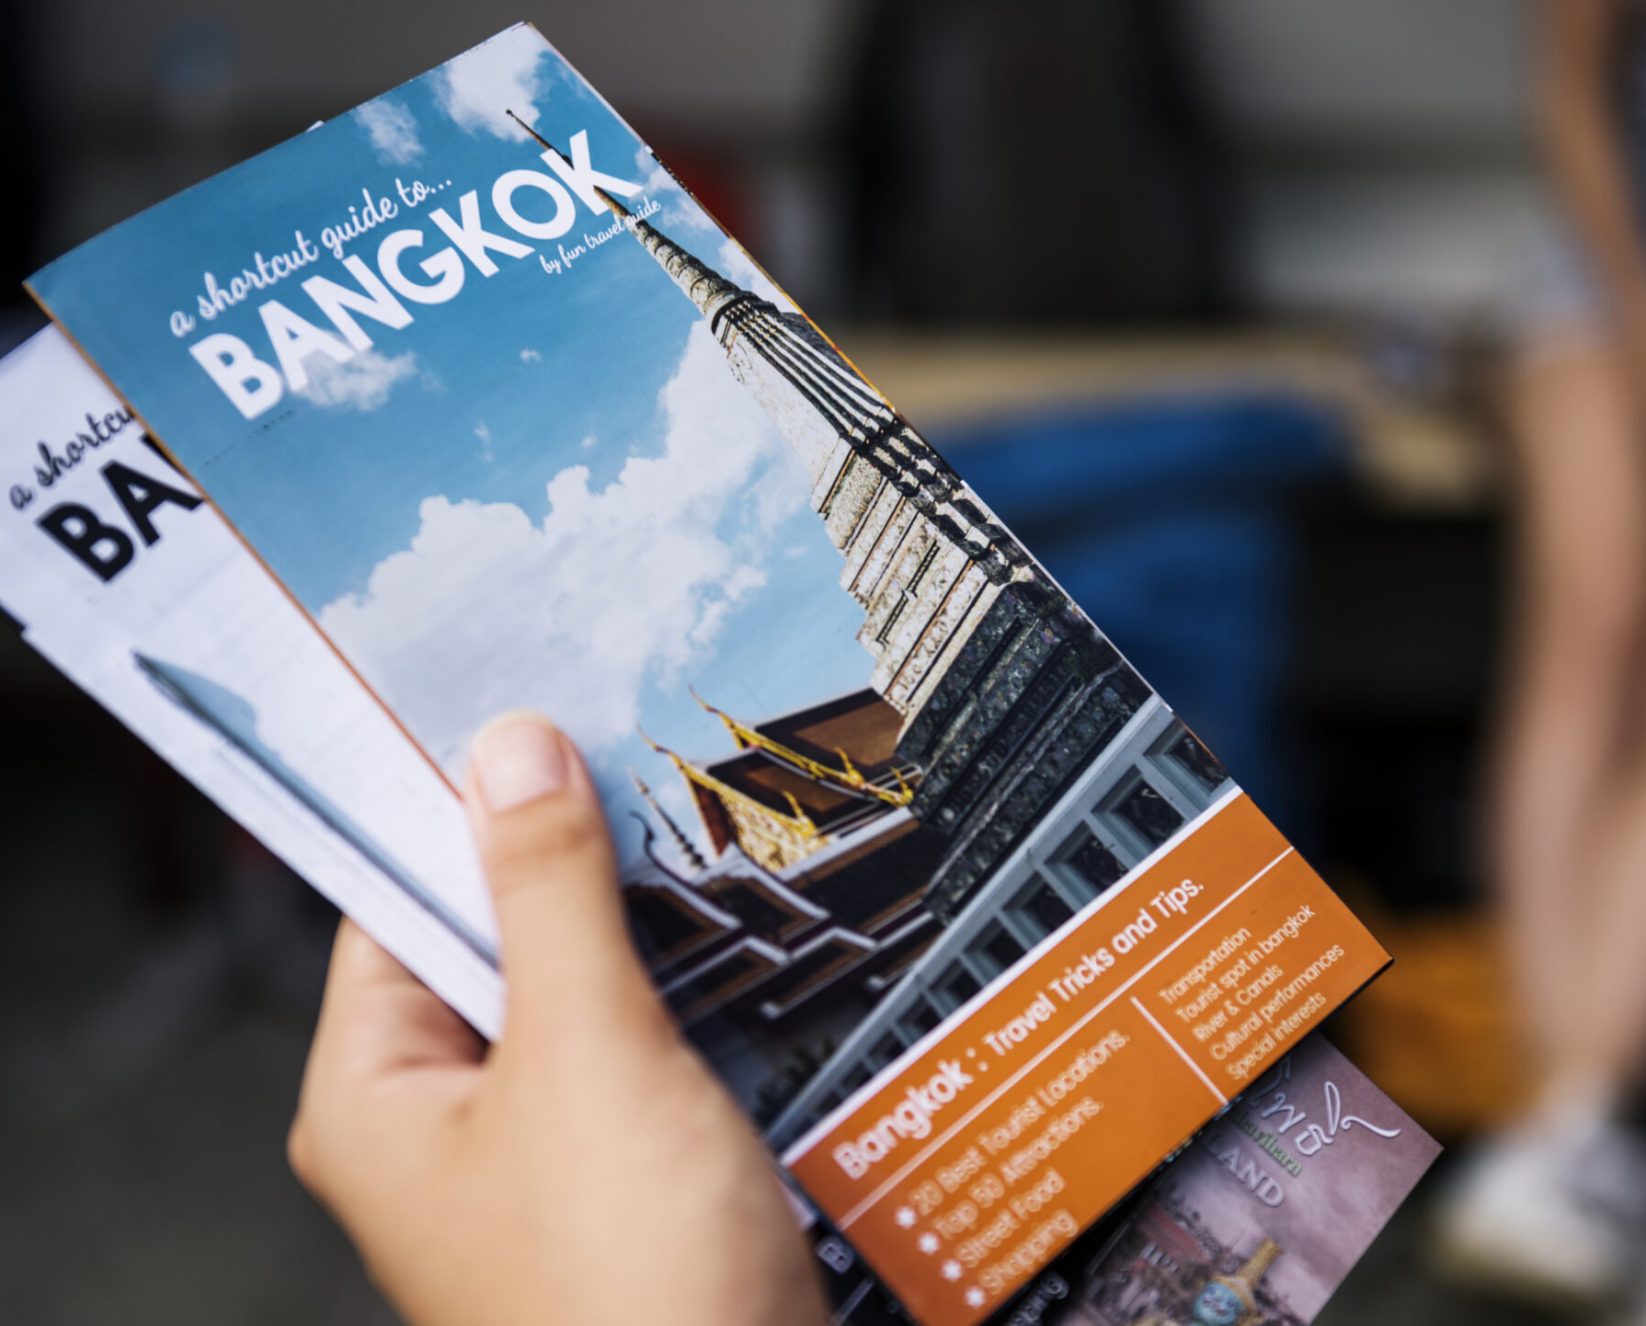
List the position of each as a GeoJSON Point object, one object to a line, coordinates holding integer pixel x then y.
{"type": "Point", "coordinates": [587, 1168]}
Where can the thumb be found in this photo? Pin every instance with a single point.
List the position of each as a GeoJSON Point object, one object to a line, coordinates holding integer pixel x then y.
{"type": "Point", "coordinates": [543, 842]}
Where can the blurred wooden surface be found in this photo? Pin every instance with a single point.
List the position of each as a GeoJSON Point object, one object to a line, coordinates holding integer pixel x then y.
{"type": "Point", "coordinates": [1413, 449]}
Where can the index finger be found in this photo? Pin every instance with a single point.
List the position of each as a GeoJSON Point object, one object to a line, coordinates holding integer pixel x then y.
{"type": "Point", "coordinates": [377, 1018]}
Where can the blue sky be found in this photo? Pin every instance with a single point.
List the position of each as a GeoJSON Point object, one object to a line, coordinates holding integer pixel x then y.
{"type": "Point", "coordinates": [546, 492]}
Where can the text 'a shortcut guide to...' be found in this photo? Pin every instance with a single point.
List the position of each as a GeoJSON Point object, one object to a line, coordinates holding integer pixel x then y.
{"type": "Point", "coordinates": [973, 1162]}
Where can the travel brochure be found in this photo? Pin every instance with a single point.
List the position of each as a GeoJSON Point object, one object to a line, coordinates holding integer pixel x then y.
{"type": "Point", "coordinates": [117, 571]}
{"type": "Point", "coordinates": [459, 403]}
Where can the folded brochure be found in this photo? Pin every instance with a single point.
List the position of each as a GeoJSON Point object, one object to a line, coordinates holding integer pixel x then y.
{"type": "Point", "coordinates": [914, 853]}
{"type": "Point", "coordinates": [188, 641]}
{"type": "Point", "coordinates": [189, 620]}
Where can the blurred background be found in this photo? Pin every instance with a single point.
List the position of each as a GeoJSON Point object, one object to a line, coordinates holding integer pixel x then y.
{"type": "Point", "coordinates": [1218, 302]}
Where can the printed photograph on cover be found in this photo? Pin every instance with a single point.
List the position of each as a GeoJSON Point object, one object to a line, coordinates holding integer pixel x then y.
{"type": "Point", "coordinates": [1263, 1217]}
{"type": "Point", "coordinates": [519, 425]}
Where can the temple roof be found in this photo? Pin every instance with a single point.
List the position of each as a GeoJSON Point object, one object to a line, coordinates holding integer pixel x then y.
{"type": "Point", "coordinates": [799, 780]}
{"type": "Point", "coordinates": [861, 724]}
{"type": "Point", "coordinates": [835, 759]}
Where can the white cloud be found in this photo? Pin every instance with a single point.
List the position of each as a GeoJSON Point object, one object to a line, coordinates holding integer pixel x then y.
{"type": "Point", "coordinates": [479, 87]}
{"type": "Point", "coordinates": [616, 589]}
{"type": "Point", "coordinates": [742, 582]}
{"type": "Point", "coordinates": [531, 356]}
{"type": "Point", "coordinates": [392, 130]}
{"type": "Point", "coordinates": [363, 383]}
{"type": "Point", "coordinates": [485, 436]}
{"type": "Point", "coordinates": [589, 442]}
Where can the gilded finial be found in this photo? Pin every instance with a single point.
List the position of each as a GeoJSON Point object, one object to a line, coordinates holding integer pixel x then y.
{"type": "Point", "coordinates": [682, 843]}
{"type": "Point", "coordinates": [852, 776]}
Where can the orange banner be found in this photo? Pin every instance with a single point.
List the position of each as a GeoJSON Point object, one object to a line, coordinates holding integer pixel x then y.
{"type": "Point", "coordinates": [970, 1164]}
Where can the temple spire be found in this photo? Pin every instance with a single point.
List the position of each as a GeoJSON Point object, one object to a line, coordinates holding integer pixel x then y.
{"type": "Point", "coordinates": [621, 212]}
{"type": "Point", "coordinates": [547, 145]}
{"type": "Point", "coordinates": [708, 290]}
{"type": "Point", "coordinates": [704, 286]}
{"type": "Point", "coordinates": [922, 555]}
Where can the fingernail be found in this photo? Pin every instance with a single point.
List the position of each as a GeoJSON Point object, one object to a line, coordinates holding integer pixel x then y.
{"type": "Point", "coordinates": [518, 758]}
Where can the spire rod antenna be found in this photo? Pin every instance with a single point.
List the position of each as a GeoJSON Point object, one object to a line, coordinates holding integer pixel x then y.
{"type": "Point", "coordinates": [533, 132]}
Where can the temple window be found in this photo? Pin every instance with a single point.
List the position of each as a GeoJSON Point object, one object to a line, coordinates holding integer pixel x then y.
{"type": "Point", "coordinates": [954, 986]}
{"type": "Point", "coordinates": [920, 1019]}
{"type": "Point", "coordinates": [1089, 866]}
{"type": "Point", "coordinates": [887, 1048]}
{"type": "Point", "coordinates": [995, 951]}
{"type": "Point", "coordinates": [1146, 811]}
{"type": "Point", "coordinates": [1040, 908]}
{"type": "Point", "coordinates": [1189, 755]}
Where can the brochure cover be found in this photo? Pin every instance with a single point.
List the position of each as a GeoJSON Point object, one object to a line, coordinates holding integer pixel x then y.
{"type": "Point", "coordinates": [131, 585]}
{"type": "Point", "coordinates": [931, 875]}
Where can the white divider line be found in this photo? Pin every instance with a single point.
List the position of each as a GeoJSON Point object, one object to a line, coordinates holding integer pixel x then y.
{"type": "Point", "coordinates": [851, 1217]}
{"type": "Point", "coordinates": [1180, 1052]}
